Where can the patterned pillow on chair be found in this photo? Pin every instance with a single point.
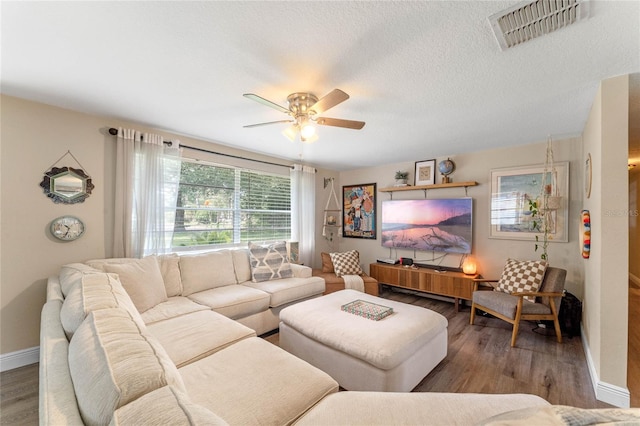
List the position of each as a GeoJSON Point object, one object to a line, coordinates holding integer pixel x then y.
{"type": "Point", "coordinates": [522, 276]}
{"type": "Point", "coordinates": [347, 263]}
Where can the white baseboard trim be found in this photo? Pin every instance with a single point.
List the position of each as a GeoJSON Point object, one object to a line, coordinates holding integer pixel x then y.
{"type": "Point", "coordinates": [634, 279]}
{"type": "Point", "coordinates": [605, 392]}
{"type": "Point", "coordinates": [16, 359]}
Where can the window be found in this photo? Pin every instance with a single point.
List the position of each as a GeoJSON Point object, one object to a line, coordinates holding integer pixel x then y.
{"type": "Point", "coordinates": [227, 206]}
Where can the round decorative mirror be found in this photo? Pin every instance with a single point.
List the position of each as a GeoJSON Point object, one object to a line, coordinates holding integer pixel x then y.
{"type": "Point", "coordinates": [66, 185]}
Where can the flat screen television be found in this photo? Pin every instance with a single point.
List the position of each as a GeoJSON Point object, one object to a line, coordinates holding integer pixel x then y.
{"type": "Point", "coordinates": [443, 225]}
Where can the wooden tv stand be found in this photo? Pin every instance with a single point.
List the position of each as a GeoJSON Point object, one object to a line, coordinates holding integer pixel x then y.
{"type": "Point", "coordinates": [450, 284]}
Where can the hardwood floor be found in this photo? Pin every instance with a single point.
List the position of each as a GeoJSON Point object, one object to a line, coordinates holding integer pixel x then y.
{"type": "Point", "coordinates": [479, 360]}
{"type": "Point", "coordinates": [19, 396]}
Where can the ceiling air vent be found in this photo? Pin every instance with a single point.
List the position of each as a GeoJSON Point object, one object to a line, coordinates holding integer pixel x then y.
{"type": "Point", "coordinates": [530, 20]}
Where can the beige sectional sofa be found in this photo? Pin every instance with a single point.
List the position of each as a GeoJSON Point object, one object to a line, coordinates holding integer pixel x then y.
{"type": "Point", "coordinates": [118, 348]}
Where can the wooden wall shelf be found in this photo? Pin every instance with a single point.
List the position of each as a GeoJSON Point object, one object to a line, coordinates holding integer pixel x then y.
{"type": "Point", "coordinates": [425, 187]}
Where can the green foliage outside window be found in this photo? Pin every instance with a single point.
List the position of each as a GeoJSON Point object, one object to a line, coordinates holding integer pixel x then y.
{"type": "Point", "coordinates": [220, 205]}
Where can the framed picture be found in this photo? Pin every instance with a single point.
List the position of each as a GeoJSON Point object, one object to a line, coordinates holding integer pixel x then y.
{"type": "Point", "coordinates": [511, 191]}
{"type": "Point", "coordinates": [425, 172]}
{"type": "Point", "coordinates": [359, 211]}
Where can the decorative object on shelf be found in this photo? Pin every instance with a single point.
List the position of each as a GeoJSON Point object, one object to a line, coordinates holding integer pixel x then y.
{"type": "Point", "coordinates": [469, 266]}
{"type": "Point", "coordinates": [358, 211]}
{"type": "Point", "coordinates": [446, 167]}
{"type": "Point", "coordinates": [67, 228]}
{"type": "Point", "coordinates": [585, 235]}
{"type": "Point", "coordinates": [425, 172]}
{"type": "Point", "coordinates": [331, 223]}
{"type": "Point", "coordinates": [511, 191]}
{"type": "Point", "coordinates": [401, 178]}
{"type": "Point", "coordinates": [588, 170]}
{"type": "Point", "coordinates": [67, 185]}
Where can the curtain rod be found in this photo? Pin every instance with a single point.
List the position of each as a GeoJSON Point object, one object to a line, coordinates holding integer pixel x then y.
{"type": "Point", "coordinates": [113, 131]}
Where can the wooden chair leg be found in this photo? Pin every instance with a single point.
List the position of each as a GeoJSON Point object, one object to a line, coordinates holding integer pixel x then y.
{"type": "Point", "coordinates": [516, 323]}
{"type": "Point", "coordinates": [556, 323]}
{"type": "Point", "coordinates": [473, 313]}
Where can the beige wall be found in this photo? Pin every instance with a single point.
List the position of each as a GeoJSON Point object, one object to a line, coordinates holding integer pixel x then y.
{"type": "Point", "coordinates": [33, 137]}
{"type": "Point", "coordinates": [606, 271]}
{"type": "Point", "coordinates": [489, 253]}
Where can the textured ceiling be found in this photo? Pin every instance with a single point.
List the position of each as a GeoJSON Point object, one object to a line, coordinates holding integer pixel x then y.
{"type": "Point", "coordinates": [428, 77]}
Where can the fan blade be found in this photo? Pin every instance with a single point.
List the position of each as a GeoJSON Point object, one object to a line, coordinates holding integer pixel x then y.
{"type": "Point", "coordinates": [337, 122]}
{"type": "Point", "coordinates": [267, 123]}
{"type": "Point", "coordinates": [266, 102]}
{"type": "Point", "coordinates": [329, 101]}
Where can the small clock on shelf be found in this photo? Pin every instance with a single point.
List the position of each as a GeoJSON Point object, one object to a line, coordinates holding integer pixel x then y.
{"type": "Point", "coordinates": [67, 228]}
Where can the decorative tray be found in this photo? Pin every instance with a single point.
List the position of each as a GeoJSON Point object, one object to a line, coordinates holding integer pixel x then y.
{"type": "Point", "coordinates": [368, 310]}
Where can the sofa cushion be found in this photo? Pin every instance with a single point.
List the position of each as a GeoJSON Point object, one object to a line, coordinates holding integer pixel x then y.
{"type": "Point", "coordinates": [241, 265]}
{"type": "Point", "coordinates": [289, 290]}
{"type": "Point", "coordinates": [417, 408]}
{"type": "Point", "coordinates": [95, 291]}
{"type": "Point", "coordinates": [233, 301]}
{"type": "Point", "coordinates": [173, 307]}
{"type": "Point", "coordinates": [142, 280]}
{"type": "Point", "coordinates": [113, 362]}
{"type": "Point", "coordinates": [301, 271]}
{"type": "Point", "coordinates": [165, 406]}
{"type": "Point", "coordinates": [327, 264]}
{"type": "Point", "coordinates": [189, 337]}
{"type": "Point", "coordinates": [522, 276]}
{"type": "Point", "coordinates": [206, 271]}
{"type": "Point", "coordinates": [256, 383]}
{"type": "Point", "coordinates": [269, 262]}
{"type": "Point", "coordinates": [562, 415]}
{"type": "Point", "coordinates": [170, 269]}
{"type": "Point", "coordinates": [347, 263]}
{"type": "Point", "coordinates": [71, 274]}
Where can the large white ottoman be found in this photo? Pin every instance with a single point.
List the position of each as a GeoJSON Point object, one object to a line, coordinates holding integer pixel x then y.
{"type": "Point", "coordinates": [392, 355]}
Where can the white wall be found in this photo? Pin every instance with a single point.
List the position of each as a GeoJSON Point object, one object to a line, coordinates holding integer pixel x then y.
{"type": "Point", "coordinates": [605, 310]}
{"type": "Point", "coordinates": [489, 253]}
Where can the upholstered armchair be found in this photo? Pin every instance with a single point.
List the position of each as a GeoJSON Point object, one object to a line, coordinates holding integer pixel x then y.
{"type": "Point", "coordinates": [518, 305]}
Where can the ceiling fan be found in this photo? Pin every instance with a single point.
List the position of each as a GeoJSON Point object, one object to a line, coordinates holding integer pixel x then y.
{"type": "Point", "coordinates": [304, 109]}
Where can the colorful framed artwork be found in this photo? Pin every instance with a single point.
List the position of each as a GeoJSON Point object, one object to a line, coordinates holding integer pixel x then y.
{"type": "Point", "coordinates": [359, 211]}
{"type": "Point", "coordinates": [425, 172]}
{"type": "Point", "coordinates": [511, 191]}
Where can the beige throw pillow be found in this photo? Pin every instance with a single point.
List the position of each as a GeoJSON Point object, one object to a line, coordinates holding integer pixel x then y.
{"type": "Point", "coordinates": [206, 271]}
{"type": "Point", "coordinates": [113, 361]}
{"type": "Point", "coordinates": [142, 280]}
{"type": "Point", "coordinates": [95, 291]}
{"type": "Point", "coordinates": [347, 263]}
{"type": "Point", "coordinates": [269, 262]}
{"type": "Point", "coordinates": [522, 277]}
{"type": "Point", "coordinates": [170, 269]}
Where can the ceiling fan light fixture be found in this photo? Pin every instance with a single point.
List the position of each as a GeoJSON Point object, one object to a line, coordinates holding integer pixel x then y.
{"type": "Point", "coordinates": [291, 132]}
{"type": "Point", "coordinates": [307, 129]}
{"type": "Point", "coordinates": [310, 139]}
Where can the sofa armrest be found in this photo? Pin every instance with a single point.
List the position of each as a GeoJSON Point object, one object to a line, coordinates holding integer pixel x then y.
{"type": "Point", "coordinates": [300, 271]}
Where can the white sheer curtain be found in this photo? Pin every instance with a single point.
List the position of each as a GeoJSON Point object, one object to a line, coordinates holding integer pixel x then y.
{"type": "Point", "coordinates": [303, 210]}
{"type": "Point", "coordinates": [147, 179]}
